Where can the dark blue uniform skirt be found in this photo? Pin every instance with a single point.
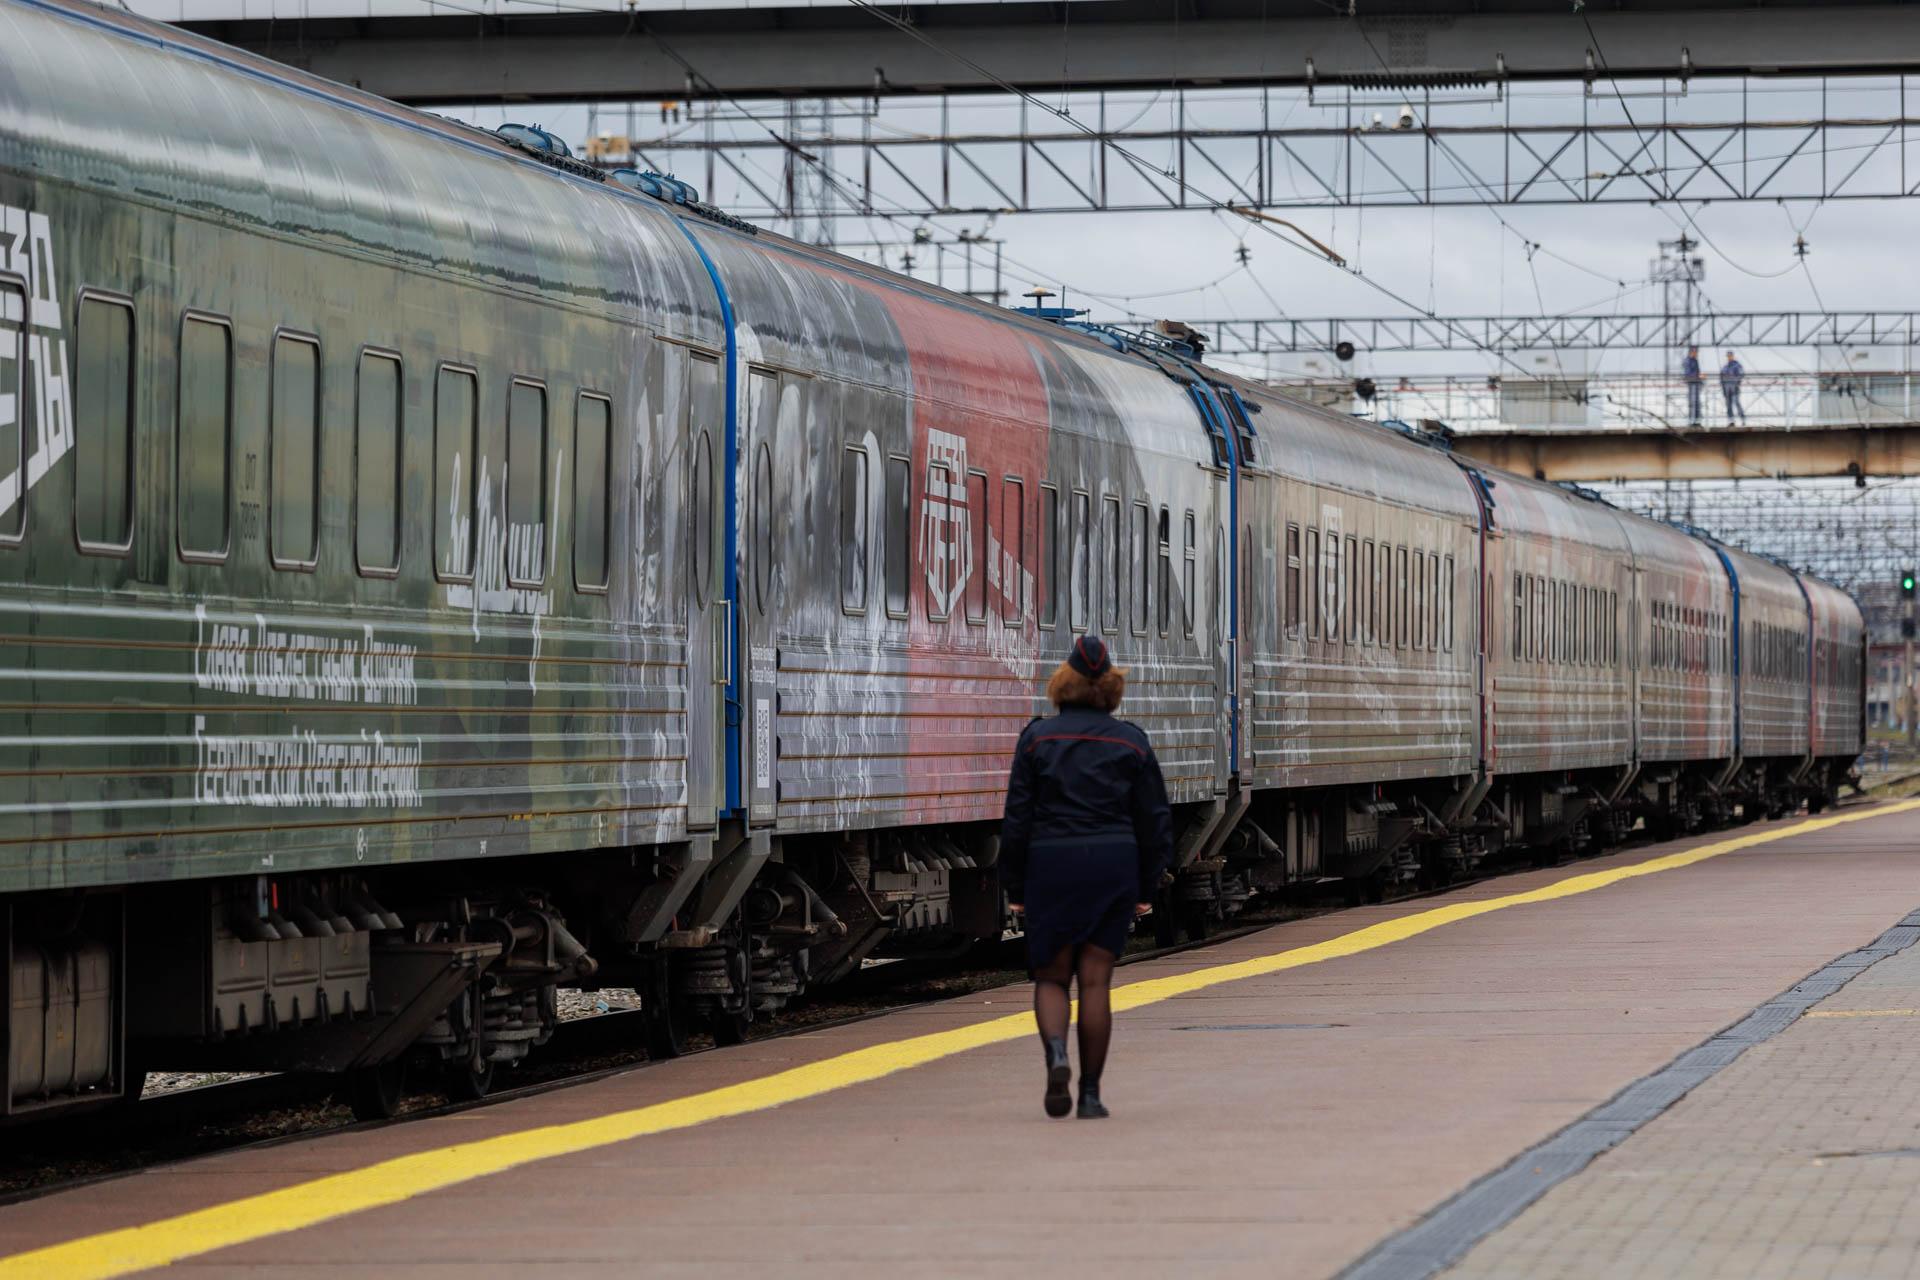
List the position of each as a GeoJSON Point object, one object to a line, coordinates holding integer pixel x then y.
{"type": "Point", "coordinates": [1080, 891]}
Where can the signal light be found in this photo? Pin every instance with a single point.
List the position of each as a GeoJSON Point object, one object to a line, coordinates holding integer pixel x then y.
{"type": "Point", "coordinates": [1906, 584]}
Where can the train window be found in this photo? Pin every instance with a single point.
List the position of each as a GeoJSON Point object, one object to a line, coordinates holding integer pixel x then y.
{"type": "Point", "coordinates": [1049, 561]}
{"type": "Point", "coordinates": [1596, 640]}
{"type": "Point", "coordinates": [1420, 601]}
{"type": "Point", "coordinates": [1519, 616]}
{"type": "Point", "coordinates": [203, 440]}
{"type": "Point", "coordinates": [293, 452]}
{"type": "Point", "coordinates": [13, 410]}
{"type": "Point", "coordinates": [1539, 620]}
{"type": "Point", "coordinates": [1593, 626]}
{"type": "Point", "coordinates": [1250, 605]}
{"type": "Point", "coordinates": [979, 520]}
{"type": "Point", "coordinates": [1115, 561]}
{"type": "Point", "coordinates": [703, 516]}
{"type": "Point", "coordinates": [103, 466]}
{"type": "Point", "coordinates": [941, 492]}
{"type": "Point", "coordinates": [1370, 620]}
{"type": "Point", "coordinates": [1187, 576]}
{"type": "Point", "coordinates": [1383, 569]}
{"type": "Point", "coordinates": [455, 409]}
{"type": "Point", "coordinates": [853, 530]}
{"type": "Point", "coordinates": [1446, 631]}
{"type": "Point", "coordinates": [1219, 579]}
{"type": "Point", "coordinates": [1350, 599]}
{"type": "Point", "coordinates": [1576, 623]}
{"type": "Point", "coordinates": [1434, 611]}
{"type": "Point", "coordinates": [899, 532]}
{"type": "Point", "coordinates": [1292, 604]}
{"type": "Point", "coordinates": [1163, 584]}
{"type": "Point", "coordinates": [1562, 623]}
{"type": "Point", "coordinates": [592, 490]}
{"type": "Point", "coordinates": [1400, 595]}
{"type": "Point", "coordinates": [763, 520]}
{"type": "Point", "coordinates": [1142, 559]}
{"type": "Point", "coordinates": [526, 483]}
{"type": "Point", "coordinates": [1382, 597]}
{"type": "Point", "coordinates": [1082, 564]}
{"type": "Point", "coordinates": [1330, 588]}
{"type": "Point", "coordinates": [1013, 550]}
{"type": "Point", "coordinates": [376, 465]}
{"type": "Point", "coordinates": [1313, 583]}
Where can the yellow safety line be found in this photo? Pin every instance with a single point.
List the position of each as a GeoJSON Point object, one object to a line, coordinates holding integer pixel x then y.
{"type": "Point", "coordinates": [1861, 1013]}
{"type": "Point", "coordinates": [305, 1204]}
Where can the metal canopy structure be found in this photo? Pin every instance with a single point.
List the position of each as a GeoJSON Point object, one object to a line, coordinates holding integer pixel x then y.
{"type": "Point", "coordinates": [1648, 331]}
{"type": "Point", "coordinates": [1345, 150]}
{"type": "Point", "coordinates": [605, 50]}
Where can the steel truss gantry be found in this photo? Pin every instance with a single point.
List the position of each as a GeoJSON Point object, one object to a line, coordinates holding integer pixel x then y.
{"type": "Point", "coordinates": [1346, 149]}
{"type": "Point", "coordinates": [1645, 331]}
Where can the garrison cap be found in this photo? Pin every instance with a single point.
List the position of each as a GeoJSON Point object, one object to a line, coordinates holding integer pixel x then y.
{"type": "Point", "coordinates": [1089, 657]}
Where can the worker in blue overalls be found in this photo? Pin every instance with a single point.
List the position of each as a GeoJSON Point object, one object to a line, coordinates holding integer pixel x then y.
{"type": "Point", "coordinates": [1086, 838]}
{"type": "Point", "coordinates": [1730, 375]}
{"type": "Point", "coordinates": [1690, 371]}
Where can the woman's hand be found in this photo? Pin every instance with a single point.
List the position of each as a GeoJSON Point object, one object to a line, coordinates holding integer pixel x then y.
{"type": "Point", "coordinates": [1141, 909]}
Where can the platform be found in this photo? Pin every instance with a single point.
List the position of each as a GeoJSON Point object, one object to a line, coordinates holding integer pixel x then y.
{"type": "Point", "coordinates": [1691, 1059]}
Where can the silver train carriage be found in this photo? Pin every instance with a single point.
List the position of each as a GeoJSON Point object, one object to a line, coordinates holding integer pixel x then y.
{"type": "Point", "coordinates": [436, 572]}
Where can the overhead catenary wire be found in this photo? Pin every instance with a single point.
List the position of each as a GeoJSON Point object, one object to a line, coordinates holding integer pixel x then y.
{"type": "Point", "coordinates": [919, 35]}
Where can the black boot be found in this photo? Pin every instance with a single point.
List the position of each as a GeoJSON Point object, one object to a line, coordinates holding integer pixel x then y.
{"type": "Point", "coordinates": [1059, 1100]}
{"type": "Point", "coordinates": [1091, 1108]}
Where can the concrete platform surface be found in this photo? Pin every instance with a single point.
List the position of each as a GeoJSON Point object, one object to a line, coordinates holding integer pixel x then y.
{"type": "Point", "coordinates": [1283, 1103]}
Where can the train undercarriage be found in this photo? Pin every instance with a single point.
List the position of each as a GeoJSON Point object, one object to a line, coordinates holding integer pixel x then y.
{"type": "Point", "coordinates": [453, 970]}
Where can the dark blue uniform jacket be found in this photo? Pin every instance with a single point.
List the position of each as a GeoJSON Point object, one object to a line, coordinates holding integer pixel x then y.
{"type": "Point", "coordinates": [1085, 776]}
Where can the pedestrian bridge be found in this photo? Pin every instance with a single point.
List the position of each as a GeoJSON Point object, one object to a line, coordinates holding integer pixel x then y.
{"type": "Point", "coordinates": [1637, 427]}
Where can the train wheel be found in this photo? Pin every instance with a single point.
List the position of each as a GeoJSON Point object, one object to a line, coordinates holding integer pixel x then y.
{"type": "Point", "coordinates": [375, 1093]}
{"type": "Point", "coordinates": [468, 1083]}
{"type": "Point", "coordinates": [665, 1018]}
{"type": "Point", "coordinates": [1166, 928]}
{"type": "Point", "coordinates": [1196, 923]}
{"type": "Point", "coordinates": [730, 1028]}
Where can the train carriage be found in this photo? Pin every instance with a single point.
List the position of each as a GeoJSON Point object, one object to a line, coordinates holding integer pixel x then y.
{"type": "Point", "coordinates": [1359, 633]}
{"type": "Point", "coordinates": [1561, 732]}
{"type": "Point", "coordinates": [933, 498]}
{"type": "Point", "coordinates": [1774, 657]}
{"type": "Point", "coordinates": [1838, 675]}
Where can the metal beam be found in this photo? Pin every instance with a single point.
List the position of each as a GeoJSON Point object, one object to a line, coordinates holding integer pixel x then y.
{"type": "Point", "coordinates": [1743, 330]}
{"type": "Point", "coordinates": [842, 51]}
{"type": "Point", "coordinates": [1096, 151]}
{"type": "Point", "coordinates": [1731, 454]}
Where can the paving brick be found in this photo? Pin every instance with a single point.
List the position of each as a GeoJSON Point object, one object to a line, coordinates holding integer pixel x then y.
{"type": "Point", "coordinates": [1801, 1159]}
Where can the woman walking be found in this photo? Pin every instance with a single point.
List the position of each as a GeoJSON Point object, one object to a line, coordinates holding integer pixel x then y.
{"type": "Point", "coordinates": [1086, 837]}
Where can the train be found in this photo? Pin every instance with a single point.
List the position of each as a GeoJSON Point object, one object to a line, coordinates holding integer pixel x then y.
{"type": "Point", "coordinates": [437, 572]}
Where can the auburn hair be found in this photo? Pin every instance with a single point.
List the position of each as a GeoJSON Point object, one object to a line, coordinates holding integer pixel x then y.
{"type": "Point", "coordinates": [1068, 688]}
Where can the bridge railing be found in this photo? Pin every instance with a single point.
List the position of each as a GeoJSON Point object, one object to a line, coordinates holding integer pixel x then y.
{"type": "Point", "coordinates": [1623, 401]}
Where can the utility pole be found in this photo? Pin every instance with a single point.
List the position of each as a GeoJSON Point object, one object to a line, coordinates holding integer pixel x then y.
{"type": "Point", "coordinates": [1907, 625]}
{"type": "Point", "coordinates": [1679, 270]}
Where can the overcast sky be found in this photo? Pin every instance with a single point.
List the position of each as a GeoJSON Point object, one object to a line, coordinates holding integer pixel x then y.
{"type": "Point", "coordinates": [1454, 261]}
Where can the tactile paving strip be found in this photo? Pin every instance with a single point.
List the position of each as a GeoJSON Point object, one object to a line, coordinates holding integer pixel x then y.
{"type": "Point", "coordinates": [1444, 1236]}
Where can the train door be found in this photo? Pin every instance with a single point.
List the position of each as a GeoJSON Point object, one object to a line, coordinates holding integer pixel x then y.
{"type": "Point", "coordinates": [1221, 623]}
{"type": "Point", "coordinates": [709, 611]}
{"type": "Point", "coordinates": [774, 471]}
